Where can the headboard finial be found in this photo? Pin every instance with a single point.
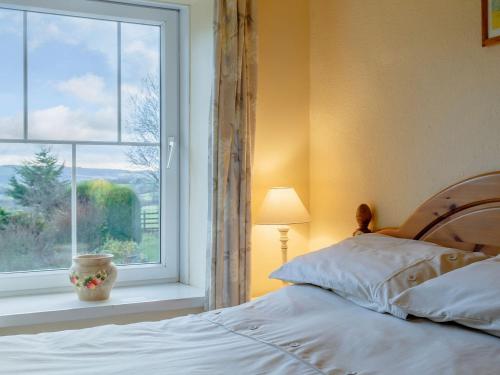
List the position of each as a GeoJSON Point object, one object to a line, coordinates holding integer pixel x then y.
{"type": "Point", "coordinates": [363, 217]}
{"type": "Point", "coordinates": [463, 216]}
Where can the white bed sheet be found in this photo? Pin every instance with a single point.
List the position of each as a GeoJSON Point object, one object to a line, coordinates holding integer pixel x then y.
{"type": "Point", "coordinates": [297, 330]}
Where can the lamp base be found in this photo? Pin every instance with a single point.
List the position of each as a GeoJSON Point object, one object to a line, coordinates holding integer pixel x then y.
{"type": "Point", "coordinates": [284, 244]}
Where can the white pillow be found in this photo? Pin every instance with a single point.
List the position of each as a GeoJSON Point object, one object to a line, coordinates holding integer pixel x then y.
{"type": "Point", "coordinates": [469, 296]}
{"type": "Point", "coordinates": [371, 269]}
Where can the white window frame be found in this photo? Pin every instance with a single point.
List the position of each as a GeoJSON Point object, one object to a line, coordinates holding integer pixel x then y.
{"type": "Point", "coordinates": [172, 74]}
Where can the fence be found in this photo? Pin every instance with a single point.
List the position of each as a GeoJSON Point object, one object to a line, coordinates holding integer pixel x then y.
{"type": "Point", "coordinates": [150, 220]}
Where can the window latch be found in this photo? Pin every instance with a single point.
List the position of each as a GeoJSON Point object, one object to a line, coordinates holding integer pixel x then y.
{"type": "Point", "coordinates": [171, 148]}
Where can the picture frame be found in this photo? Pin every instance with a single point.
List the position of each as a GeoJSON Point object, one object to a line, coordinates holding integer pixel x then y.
{"type": "Point", "coordinates": [490, 22]}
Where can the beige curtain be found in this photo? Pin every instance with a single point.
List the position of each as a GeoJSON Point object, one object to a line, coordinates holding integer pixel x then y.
{"type": "Point", "coordinates": [232, 147]}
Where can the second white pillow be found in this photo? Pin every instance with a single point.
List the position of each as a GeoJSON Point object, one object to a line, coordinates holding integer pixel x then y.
{"type": "Point", "coordinates": [469, 296]}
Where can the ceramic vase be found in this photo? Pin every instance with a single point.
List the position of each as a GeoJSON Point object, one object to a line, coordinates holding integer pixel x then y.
{"type": "Point", "coordinates": [93, 276]}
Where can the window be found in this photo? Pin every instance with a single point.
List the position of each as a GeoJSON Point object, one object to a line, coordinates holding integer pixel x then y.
{"type": "Point", "coordinates": [88, 123]}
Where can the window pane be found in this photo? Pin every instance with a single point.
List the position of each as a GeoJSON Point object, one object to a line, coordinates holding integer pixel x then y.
{"type": "Point", "coordinates": [72, 78]}
{"type": "Point", "coordinates": [118, 202]}
{"type": "Point", "coordinates": [140, 52]}
{"type": "Point", "coordinates": [35, 207]}
{"type": "Point", "coordinates": [11, 74]}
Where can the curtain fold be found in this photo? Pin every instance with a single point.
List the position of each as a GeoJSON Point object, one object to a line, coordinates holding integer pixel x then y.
{"type": "Point", "coordinates": [232, 145]}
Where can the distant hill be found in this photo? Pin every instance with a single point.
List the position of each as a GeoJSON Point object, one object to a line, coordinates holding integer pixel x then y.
{"type": "Point", "coordinates": [117, 176]}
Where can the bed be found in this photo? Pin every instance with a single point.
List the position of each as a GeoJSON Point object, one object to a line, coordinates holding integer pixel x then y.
{"type": "Point", "coordinates": [300, 329]}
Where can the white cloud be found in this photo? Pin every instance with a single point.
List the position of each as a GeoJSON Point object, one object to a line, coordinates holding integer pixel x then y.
{"type": "Point", "coordinates": [105, 157]}
{"type": "Point", "coordinates": [141, 51]}
{"type": "Point", "coordinates": [142, 57]}
{"type": "Point", "coordinates": [11, 127]}
{"type": "Point", "coordinates": [140, 42]}
{"type": "Point", "coordinates": [130, 90]}
{"type": "Point", "coordinates": [89, 88]}
{"type": "Point", "coordinates": [17, 154]}
{"type": "Point", "coordinates": [63, 123]}
{"type": "Point", "coordinates": [93, 35]}
{"type": "Point", "coordinates": [11, 22]}
{"type": "Point", "coordinates": [11, 159]}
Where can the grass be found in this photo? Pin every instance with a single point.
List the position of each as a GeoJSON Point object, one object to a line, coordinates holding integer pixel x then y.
{"type": "Point", "coordinates": [148, 250]}
{"type": "Point", "coordinates": [150, 247]}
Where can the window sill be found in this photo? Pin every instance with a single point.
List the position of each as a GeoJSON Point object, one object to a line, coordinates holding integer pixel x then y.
{"type": "Point", "coordinates": [65, 307]}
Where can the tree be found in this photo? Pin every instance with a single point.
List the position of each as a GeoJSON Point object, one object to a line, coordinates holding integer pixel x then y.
{"type": "Point", "coordinates": [4, 218]}
{"type": "Point", "coordinates": [144, 124]}
{"type": "Point", "coordinates": [38, 184]}
{"type": "Point", "coordinates": [37, 237]}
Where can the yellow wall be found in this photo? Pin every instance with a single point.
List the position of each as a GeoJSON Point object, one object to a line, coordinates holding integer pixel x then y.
{"type": "Point", "coordinates": [404, 101]}
{"type": "Point", "coordinates": [282, 135]}
{"type": "Point", "coordinates": [378, 101]}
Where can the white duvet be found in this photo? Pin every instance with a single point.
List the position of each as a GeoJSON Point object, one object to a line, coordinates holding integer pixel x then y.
{"type": "Point", "coordinates": [297, 330]}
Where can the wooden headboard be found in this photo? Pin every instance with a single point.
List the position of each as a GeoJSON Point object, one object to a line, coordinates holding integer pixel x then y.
{"type": "Point", "coordinates": [463, 216]}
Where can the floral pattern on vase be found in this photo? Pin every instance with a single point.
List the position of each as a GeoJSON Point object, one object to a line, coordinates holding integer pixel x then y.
{"type": "Point", "coordinates": [93, 276]}
{"type": "Point", "coordinates": [89, 282]}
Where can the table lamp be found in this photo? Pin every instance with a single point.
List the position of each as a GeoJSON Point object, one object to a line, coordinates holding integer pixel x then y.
{"type": "Point", "coordinates": [282, 206]}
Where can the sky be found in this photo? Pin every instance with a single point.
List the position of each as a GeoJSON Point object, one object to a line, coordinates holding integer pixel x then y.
{"type": "Point", "coordinates": [72, 79]}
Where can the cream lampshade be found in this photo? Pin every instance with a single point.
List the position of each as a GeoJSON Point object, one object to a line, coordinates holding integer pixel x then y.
{"type": "Point", "coordinates": [282, 206]}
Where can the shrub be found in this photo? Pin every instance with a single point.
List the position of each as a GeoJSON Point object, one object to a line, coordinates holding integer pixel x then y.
{"type": "Point", "coordinates": [4, 218]}
{"type": "Point", "coordinates": [28, 242]}
{"type": "Point", "coordinates": [94, 190]}
{"type": "Point", "coordinates": [107, 211]}
{"type": "Point", "coordinates": [91, 218]}
{"type": "Point", "coordinates": [123, 214]}
{"type": "Point", "coordinates": [124, 251]}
